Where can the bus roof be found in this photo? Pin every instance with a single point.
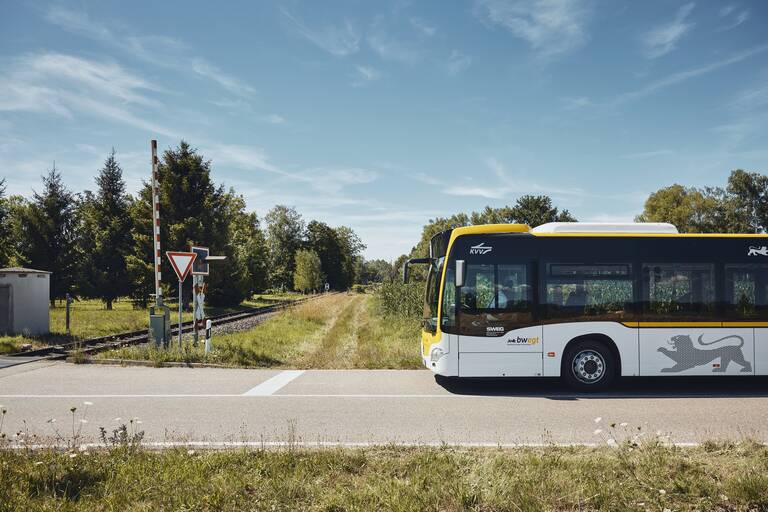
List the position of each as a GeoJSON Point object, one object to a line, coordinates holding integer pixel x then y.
{"type": "Point", "coordinates": [662, 229]}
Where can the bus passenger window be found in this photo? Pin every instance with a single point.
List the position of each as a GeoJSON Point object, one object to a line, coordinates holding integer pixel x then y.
{"type": "Point", "coordinates": [495, 299]}
{"type": "Point", "coordinates": [678, 290]}
{"type": "Point", "coordinates": [746, 291]}
{"type": "Point", "coordinates": [589, 292]}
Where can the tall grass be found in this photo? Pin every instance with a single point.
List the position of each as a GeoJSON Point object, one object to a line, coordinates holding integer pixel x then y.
{"type": "Point", "coordinates": [398, 299]}
{"type": "Point", "coordinates": [652, 477]}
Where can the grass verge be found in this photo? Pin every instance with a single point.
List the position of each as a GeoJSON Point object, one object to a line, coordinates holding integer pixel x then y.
{"type": "Point", "coordinates": [651, 477]}
{"type": "Point", "coordinates": [338, 331]}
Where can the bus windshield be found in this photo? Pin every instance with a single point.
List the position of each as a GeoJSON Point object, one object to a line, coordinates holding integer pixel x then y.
{"type": "Point", "coordinates": [433, 295]}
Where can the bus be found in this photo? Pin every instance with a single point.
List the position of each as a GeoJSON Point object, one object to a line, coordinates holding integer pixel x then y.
{"type": "Point", "coordinates": [591, 302]}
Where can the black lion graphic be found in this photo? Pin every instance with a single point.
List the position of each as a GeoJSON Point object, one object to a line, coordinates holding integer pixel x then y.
{"type": "Point", "coordinates": [687, 356]}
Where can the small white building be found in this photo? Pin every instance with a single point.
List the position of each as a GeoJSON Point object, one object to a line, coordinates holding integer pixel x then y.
{"type": "Point", "coordinates": [24, 298]}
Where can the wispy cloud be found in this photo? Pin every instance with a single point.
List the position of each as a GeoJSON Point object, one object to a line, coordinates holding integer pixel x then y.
{"type": "Point", "coordinates": [576, 103]}
{"type": "Point", "coordinates": [364, 75]}
{"type": "Point", "coordinates": [551, 27]}
{"type": "Point", "coordinates": [751, 99]}
{"type": "Point", "coordinates": [338, 40]}
{"type": "Point", "coordinates": [643, 155]}
{"type": "Point", "coordinates": [663, 38]}
{"type": "Point", "coordinates": [423, 27]}
{"type": "Point", "coordinates": [733, 17]}
{"type": "Point", "coordinates": [457, 62]}
{"type": "Point", "coordinates": [682, 76]}
{"type": "Point", "coordinates": [274, 119]}
{"type": "Point", "coordinates": [63, 84]}
{"type": "Point", "coordinates": [391, 47]}
{"type": "Point", "coordinates": [158, 50]}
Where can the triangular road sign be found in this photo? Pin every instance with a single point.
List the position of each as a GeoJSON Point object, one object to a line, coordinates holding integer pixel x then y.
{"type": "Point", "coordinates": [181, 262]}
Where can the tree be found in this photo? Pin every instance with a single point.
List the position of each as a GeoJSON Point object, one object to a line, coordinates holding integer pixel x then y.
{"type": "Point", "coordinates": [109, 241]}
{"type": "Point", "coordinates": [351, 249]}
{"type": "Point", "coordinates": [6, 247]}
{"type": "Point", "coordinates": [324, 240]}
{"type": "Point", "coordinates": [690, 209]}
{"type": "Point", "coordinates": [308, 275]}
{"type": "Point", "coordinates": [285, 236]}
{"type": "Point", "coordinates": [746, 204]}
{"type": "Point", "coordinates": [140, 261]}
{"type": "Point", "coordinates": [378, 271]}
{"type": "Point", "coordinates": [48, 225]}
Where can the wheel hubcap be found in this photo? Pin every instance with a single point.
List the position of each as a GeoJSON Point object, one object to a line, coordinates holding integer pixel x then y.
{"type": "Point", "coordinates": [588, 366]}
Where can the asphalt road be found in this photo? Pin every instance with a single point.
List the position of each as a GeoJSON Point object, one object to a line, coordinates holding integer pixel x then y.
{"type": "Point", "coordinates": [359, 407]}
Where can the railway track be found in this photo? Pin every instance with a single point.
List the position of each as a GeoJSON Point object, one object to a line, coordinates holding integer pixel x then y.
{"type": "Point", "coordinates": [94, 345]}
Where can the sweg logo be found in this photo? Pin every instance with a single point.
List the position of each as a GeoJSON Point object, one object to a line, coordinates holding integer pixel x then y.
{"type": "Point", "coordinates": [480, 249]}
{"type": "Point", "coordinates": [753, 251]}
{"type": "Point", "coordinates": [494, 329]}
{"type": "Point", "coordinates": [523, 341]}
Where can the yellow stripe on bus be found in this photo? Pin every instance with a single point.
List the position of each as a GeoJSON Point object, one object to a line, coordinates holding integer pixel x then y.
{"type": "Point", "coordinates": [695, 324]}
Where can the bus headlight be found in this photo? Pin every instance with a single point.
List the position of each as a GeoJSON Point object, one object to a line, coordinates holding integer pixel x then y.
{"type": "Point", "coordinates": [436, 354]}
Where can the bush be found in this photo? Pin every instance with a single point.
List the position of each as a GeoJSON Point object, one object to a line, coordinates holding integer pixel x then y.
{"type": "Point", "coordinates": [397, 299]}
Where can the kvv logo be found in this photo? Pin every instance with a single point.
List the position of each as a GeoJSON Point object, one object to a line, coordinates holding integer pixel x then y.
{"type": "Point", "coordinates": [480, 248]}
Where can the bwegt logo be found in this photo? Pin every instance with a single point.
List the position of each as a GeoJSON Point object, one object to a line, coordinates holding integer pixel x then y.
{"type": "Point", "coordinates": [480, 248]}
{"type": "Point", "coordinates": [519, 340]}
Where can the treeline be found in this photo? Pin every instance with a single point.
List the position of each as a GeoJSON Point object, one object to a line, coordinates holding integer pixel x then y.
{"type": "Point", "coordinates": [99, 244]}
{"type": "Point", "coordinates": [739, 207]}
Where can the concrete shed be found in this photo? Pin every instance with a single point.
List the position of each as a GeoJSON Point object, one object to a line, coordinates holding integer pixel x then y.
{"type": "Point", "coordinates": [24, 298]}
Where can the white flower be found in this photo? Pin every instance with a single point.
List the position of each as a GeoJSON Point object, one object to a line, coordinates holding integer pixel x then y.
{"type": "Point", "coordinates": [38, 463]}
{"type": "Point", "coordinates": [662, 492]}
{"type": "Point", "coordinates": [118, 419]}
{"type": "Point", "coordinates": [598, 431]}
{"type": "Point", "coordinates": [611, 442]}
{"type": "Point", "coordinates": [139, 422]}
{"type": "Point", "coordinates": [623, 424]}
{"type": "Point", "coordinates": [190, 452]}
{"type": "Point", "coordinates": [598, 419]}
{"type": "Point", "coordinates": [87, 403]}
{"type": "Point", "coordinates": [72, 455]}
{"type": "Point", "coordinates": [83, 421]}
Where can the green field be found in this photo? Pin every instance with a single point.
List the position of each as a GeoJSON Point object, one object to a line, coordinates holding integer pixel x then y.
{"type": "Point", "coordinates": [338, 331]}
{"type": "Point", "coordinates": [628, 477]}
{"type": "Point", "coordinates": [90, 319]}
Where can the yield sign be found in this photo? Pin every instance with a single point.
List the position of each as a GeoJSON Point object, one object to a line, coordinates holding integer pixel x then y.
{"type": "Point", "coordinates": [181, 262]}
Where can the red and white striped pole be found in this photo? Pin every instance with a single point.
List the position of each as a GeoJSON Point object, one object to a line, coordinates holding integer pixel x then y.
{"type": "Point", "coordinates": [156, 218]}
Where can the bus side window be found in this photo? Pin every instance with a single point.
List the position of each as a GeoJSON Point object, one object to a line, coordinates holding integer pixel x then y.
{"type": "Point", "coordinates": [675, 290]}
{"type": "Point", "coordinates": [746, 291]}
{"type": "Point", "coordinates": [589, 291]}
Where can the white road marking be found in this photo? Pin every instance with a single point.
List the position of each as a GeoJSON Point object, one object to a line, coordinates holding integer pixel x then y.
{"type": "Point", "coordinates": [244, 395]}
{"type": "Point", "coordinates": [270, 386]}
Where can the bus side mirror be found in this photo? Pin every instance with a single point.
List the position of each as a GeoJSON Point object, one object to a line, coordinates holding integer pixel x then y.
{"type": "Point", "coordinates": [461, 267]}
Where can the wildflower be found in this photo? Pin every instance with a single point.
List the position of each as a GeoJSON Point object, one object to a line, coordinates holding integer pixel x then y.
{"type": "Point", "coordinates": [598, 431]}
{"type": "Point", "coordinates": [72, 455]}
{"type": "Point", "coordinates": [662, 492]}
{"type": "Point", "coordinates": [118, 419]}
{"type": "Point", "coordinates": [598, 419]}
{"type": "Point", "coordinates": [139, 422]}
{"type": "Point", "coordinates": [83, 421]}
{"type": "Point", "coordinates": [623, 424]}
{"type": "Point", "coordinates": [190, 452]}
{"type": "Point", "coordinates": [38, 463]}
{"type": "Point", "coordinates": [87, 403]}
{"type": "Point", "coordinates": [52, 420]}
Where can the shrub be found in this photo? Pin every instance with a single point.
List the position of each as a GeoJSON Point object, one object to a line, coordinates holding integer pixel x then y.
{"type": "Point", "coordinates": [399, 299]}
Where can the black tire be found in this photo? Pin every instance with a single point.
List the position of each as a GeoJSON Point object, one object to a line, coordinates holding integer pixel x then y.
{"type": "Point", "coordinates": [589, 366]}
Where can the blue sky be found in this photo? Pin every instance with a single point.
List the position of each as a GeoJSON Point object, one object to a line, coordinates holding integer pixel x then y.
{"type": "Point", "coordinates": [382, 115]}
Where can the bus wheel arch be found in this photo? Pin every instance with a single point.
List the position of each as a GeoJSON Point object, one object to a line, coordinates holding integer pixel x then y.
{"type": "Point", "coordinates": [593, 346]}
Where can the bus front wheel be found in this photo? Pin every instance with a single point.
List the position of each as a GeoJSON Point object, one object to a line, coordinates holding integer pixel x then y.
{"type": "Point", "coordinates": [589, 366]}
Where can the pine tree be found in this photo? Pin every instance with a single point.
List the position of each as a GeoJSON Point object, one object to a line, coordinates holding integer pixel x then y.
{"type": "Point", "coordinates": [49, 225]}
{"type": "Point", "coordinates": [107, 212]}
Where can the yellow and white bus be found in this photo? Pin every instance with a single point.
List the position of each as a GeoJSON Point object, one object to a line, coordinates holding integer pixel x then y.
{"type": "Point", "coordinates": [590, 302]}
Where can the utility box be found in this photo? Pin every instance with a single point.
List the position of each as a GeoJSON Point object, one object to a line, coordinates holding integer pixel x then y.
{"type": "Point", "coordinates": [160, 324]}
{"type": "Point", "coordinates": [24, 298]}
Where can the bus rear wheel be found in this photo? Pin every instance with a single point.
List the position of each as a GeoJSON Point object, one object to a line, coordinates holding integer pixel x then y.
{"type": "Point", "coordinates": [589, 366]}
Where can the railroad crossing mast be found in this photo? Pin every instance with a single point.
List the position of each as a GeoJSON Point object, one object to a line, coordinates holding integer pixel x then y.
{"type": "Point", "coordinates": [199, 271]}
{"type": "Point", "coordinates": [159, 314]}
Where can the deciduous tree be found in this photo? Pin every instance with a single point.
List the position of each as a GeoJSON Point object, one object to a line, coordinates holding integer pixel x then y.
{"type": "Point", "coordinates": [308, 274]}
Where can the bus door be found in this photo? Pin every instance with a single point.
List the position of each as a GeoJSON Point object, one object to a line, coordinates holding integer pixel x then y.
{"type": "Point", "coordinates": [692, 340]}
{"type": "Point", "coordinates": [497, 333]}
